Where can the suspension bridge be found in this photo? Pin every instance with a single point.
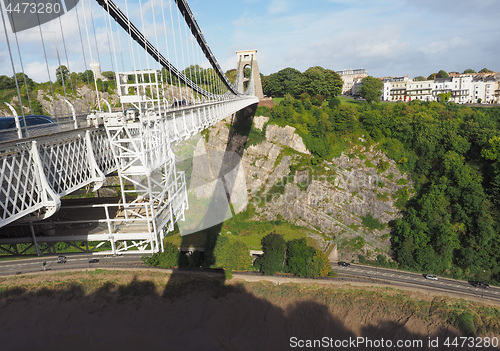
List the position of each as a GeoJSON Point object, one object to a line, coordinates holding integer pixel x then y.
{"type": "Point", "coordinates": [170, 88]}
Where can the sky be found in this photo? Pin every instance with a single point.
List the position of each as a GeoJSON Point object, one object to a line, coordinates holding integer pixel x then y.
{"type": "Point", "coordinates": [385, 37]}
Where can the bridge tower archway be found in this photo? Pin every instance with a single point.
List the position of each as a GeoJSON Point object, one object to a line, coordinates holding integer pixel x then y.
{"type": "Point", "coordinates": [248, 58]}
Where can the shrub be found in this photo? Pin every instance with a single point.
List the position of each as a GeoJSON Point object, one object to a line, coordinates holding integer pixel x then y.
{"type": "Point", "coordinates": [169, 257]}
{"type": "Point", "coordinates": [232, 254]}
{"type": "Point", "coordinates": [319, 266]}
{"type": "Point", "coordinates": [465, 322]}
{"type": "Point", "coordinates": [372, 223]}
{"type": "Point", "coordinates": [166, 259]}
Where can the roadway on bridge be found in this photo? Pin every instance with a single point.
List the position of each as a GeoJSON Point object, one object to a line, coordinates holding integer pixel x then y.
{"type": "Point", "coordinates": [354, 273]}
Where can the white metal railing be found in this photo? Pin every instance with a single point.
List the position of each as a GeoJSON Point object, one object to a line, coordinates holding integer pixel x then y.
{"type": "Point", "coordinates": [35, 173]}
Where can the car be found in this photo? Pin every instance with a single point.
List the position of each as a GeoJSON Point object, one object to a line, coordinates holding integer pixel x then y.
{"type": "Point", "coordinates": [31, 125]}
{"type": "Point", "coordinates": [61, 259]}
{"type": "Point", "coordinates": [94, 260]}
{"type": "Point", "coordinates": [481, 285]}
{"type": "Point", "coordinates": [179, 103]}
{"type": "Point", "coordinates": [430, 276]}
{"type": "Point", "coordinates": [344, 264]}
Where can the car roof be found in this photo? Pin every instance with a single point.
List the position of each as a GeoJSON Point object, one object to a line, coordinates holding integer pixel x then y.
{"type": "Point", "coordinates": [9, 122]}
{"type": "Point", "coordinates": [11, 118]}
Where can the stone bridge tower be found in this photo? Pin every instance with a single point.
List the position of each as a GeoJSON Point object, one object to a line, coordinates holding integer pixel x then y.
{"type": "Point", "coordinates": [248, 58]}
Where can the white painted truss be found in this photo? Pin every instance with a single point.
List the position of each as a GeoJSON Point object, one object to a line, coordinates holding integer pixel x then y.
{"type": "Point", "coordinates": [36, 174]}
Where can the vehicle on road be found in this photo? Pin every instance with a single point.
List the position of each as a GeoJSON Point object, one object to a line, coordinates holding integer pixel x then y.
{"type": "Point", "coordinates": [31, 125]}
{"type": "Point", "coordinates": [94, 260]}
{"type": "Point", "coordinates": [179, 103]}
{"type": "Point", "coordinates": [61, 259]}
{"type": "Point", "coordinates": [480, 285]}
{"type": "Point", "coordinates": [344, 264]}
{"type": "Point", "coordinates": [430, 277]}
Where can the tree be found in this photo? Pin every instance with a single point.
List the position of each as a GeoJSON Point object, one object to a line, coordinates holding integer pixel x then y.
{"type": "Point", "coordinates": [286, 81]}
{"type": "Point", "coordinates": [418, 79]}
{"type": "Point", "coordinates": [468, 70]}
{"type": "Point", "coordinates": [21, 78]}
{"type": "Point", "coordinates": [232, 254]}
{"type": "Point", "coordinates": [320, 81]}
{"type": "Point", "coordinates": [37, 107]}
{"type": "Point", "coordinates": [371, 89]}
{"type": "Point", "coordinates": [444, 97]}
{"type": "Point", "coordinates": [319, 266]}
{"type": "Point", "coordinates": [86, 77]}
{"type": "Point", "coordinates": [493, 152]}
{"type": "Point", "coordinates": [273, 258]}
{"type": "Point", "coordinates": [62, 75]}
{"type": "Point", "coordinates": [333, 102]}
{"type": "Point", "coordinates": [485, 70]}
{"type": "Point", "coordinates": [442, 74]}
{"type": "Point", "coordinates": [299, 257]}
{"type": "Point", "coordinates": [231, 75]}
{"type": "Point", "coordinates": [7, 82]}
{"type": "Point", "coordinates": [110, 75]}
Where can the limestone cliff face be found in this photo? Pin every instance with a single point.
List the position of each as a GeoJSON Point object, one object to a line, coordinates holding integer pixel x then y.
{"type": "Point", "coordinates": [350, 198]}
{"type": "Point", "coordinates": [286, 136]}
{"type": "Point", "coordinates": [83, 99]}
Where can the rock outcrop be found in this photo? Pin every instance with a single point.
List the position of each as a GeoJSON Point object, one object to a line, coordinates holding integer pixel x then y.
{"type": "Point", "coordinates": [348, 199]}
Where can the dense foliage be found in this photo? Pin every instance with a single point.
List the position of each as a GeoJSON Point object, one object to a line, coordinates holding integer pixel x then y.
{"type": "Point", "coordinates": [314, 81]}
{"type": "Point", "coordinates": [294, 256]}
{"type": "Point", "coordinates": [273, 259]}
{"type": "Point", "coordinates": [451, 225]}
{"type": "Point", "coordinates": [167, 259]}
{"type": "Point", "coordinates": [371, 89]}
{"type": "Point", "coordinates": [232, 254]}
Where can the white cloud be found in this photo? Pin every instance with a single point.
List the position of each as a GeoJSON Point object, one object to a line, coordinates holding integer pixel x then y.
{"type": "Point", "coordinates": [445, 46]}
{"type": "Point", "coordinates": [38, 71]}
{"type": "Point", "coordinates": [277, 7]}
{"type": "Point", "coordinates": [457, 8]}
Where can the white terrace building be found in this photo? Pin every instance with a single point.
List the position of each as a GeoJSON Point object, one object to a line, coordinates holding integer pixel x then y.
{"type": "Point", "coordinates": [395, 89]}
{"type": "Point", "coordinates": [459, 88]}
{"type": "Point", "coordinates": [462, 89]}
{"type": "Point", "coordinates": [350, 77]}
{"type": "Point", "coordinates": [420, 90]}
{"type": "Point", "coordinates": [497, 93]}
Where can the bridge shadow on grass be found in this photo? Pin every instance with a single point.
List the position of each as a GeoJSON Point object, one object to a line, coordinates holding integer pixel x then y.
{"type": "Point", "coordinates": [198, 313]}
